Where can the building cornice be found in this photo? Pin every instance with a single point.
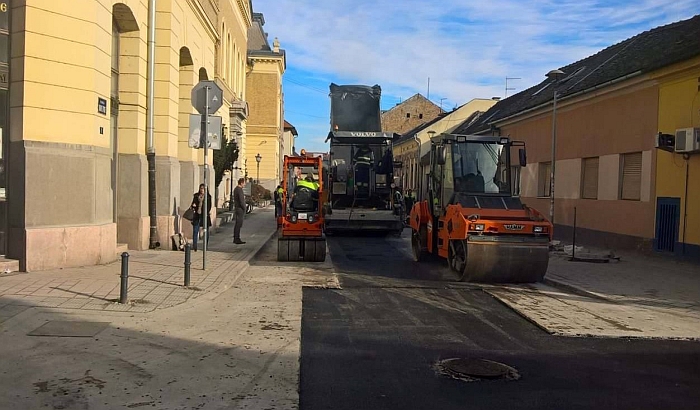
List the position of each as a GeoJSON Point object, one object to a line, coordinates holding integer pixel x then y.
{"type": "Point", "coordinates": [245, 12]}
{"type": "Point", "coordinates": [215, 5]}
{"type": "Point", "coordinates": [272, 59]}
{"type": "Point", "coordinates": [677, 71]}
{"type": "Point", "coordinates": [210, 28]}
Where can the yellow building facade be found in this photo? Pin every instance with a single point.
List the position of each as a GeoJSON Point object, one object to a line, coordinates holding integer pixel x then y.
{"type": "Point", "coordinates": [79, 137]}
{"type": "Point", "coordinates": [264, 94]}
{"type": "Point", "coordinates": [678, 174]}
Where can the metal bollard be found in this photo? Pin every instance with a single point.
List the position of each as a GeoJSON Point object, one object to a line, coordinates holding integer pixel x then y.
{"type": "Point", "coordinates": [124, 278]}
{"type": "Point", "coordinates": [188, 262]}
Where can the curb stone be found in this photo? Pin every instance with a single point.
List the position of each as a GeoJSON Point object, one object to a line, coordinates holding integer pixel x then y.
{"type": "Point", "coordinates": [577, 290]}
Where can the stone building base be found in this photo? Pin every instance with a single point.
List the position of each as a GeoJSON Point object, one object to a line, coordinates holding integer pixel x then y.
{"type": "Point", "coordinates": [53, 248]}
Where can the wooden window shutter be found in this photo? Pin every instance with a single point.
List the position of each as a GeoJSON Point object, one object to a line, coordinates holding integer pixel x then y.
{"type": "Point", "coordinates": [631, 176]}
{"type": "Point", "coordinates": [590, 178]}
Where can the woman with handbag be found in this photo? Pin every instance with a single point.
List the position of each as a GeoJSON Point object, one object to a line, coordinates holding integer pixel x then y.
{"type": "Point", "coordinates": [198, 216]}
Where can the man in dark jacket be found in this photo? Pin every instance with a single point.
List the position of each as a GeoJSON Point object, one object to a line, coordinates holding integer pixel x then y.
{"type": "Point", "coordinates": [239, 206]}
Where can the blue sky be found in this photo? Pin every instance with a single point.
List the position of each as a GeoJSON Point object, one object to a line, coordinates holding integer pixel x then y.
{"type": "Point", "coordinates": [466, 47]}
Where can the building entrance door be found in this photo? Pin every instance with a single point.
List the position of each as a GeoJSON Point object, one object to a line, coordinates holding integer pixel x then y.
{"type": "Point", "coordinates": [668, 213]}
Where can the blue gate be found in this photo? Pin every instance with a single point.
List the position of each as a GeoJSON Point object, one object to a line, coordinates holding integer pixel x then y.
{"type": "Point", "coordinates": [668, 215]}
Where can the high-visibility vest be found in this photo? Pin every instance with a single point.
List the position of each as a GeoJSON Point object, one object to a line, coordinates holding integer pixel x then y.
{"type": "Point", "coordinates": [308, 184]}
{"type": "Point", "coordinates": [280, 193]}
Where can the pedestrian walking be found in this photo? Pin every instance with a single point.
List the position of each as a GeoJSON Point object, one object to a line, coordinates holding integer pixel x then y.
{"type": "Point", "coordinates": [239, 205]}
{"type": "Point", "coordinates": [198, 219]}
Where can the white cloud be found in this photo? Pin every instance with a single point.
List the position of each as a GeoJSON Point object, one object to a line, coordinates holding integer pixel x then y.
{"type": "Point", "coordinates": [466, 47]}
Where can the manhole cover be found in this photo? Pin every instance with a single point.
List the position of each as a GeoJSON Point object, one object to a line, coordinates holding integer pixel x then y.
{"type": "Point", "coordinates": [66, 328]}
{"type": "Point", "coordinates": [475, 369]}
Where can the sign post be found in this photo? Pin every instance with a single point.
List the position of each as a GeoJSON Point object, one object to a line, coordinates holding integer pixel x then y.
{"type": "Point", "coordinates": [207, 98]}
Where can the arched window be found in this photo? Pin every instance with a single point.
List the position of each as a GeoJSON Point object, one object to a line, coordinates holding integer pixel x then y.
{"type": "Point", "coordinates": [230, 74]}
{"type": "Point", "coordinates": [234, 70]}
{"type": "Point", "coordinates": [222, 54]}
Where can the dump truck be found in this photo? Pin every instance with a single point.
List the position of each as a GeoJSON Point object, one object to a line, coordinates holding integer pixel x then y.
{"type": "Point", "coordinates": [361, 170]}
{"type": "Point", "coordinates": [471, 217]}
{"type": "Point", "coordinates": [301, 236]}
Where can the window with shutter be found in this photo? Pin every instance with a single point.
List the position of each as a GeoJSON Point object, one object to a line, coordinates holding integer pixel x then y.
{"type": "Point", "coordinates": [631, 186]}
{"type": "Point", "coordinates": [544, 179]}
{"type": "Point", "coordinates": [589, 185]}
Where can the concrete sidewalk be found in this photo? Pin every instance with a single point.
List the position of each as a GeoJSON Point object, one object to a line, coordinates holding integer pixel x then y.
{"type": "Point", "coordinates": [637, 279]}
{"type": "Point", "coordinates": [233, 349]}
{"type": "Point", "coordinates": [640, 296]}
{"type": "Point", "coordinates": [156, 277]}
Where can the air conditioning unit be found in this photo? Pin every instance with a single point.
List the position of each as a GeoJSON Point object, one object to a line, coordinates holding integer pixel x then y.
{"type": "Point", "coordinates": [688, 140]}
{"type": "Point", "coordinates": [666, 142]}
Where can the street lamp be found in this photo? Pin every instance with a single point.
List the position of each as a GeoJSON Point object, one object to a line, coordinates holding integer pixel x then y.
{"type": "Point", "coordinates": [258, 158]}
{"type": "Point", "coordinates": [554, 75]}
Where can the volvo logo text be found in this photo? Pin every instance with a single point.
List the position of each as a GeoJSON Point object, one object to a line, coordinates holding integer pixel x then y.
{"type": "Point", "coordinates": [514, 227]}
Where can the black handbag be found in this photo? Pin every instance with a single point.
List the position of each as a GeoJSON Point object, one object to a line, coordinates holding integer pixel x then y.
{"type": "Point", "coordinates": [189, 214]}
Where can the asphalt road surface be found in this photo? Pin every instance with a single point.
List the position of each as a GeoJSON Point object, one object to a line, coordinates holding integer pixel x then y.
{"type": "Point", "coordinates": [378, 342]}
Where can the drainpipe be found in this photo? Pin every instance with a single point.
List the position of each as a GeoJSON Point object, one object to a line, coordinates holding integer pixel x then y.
{"type": "Point", "coordinates": [150, 118]}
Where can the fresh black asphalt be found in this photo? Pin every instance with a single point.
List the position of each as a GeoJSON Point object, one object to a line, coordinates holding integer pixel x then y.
{"type": "Point", "coordinates": [374, 344]}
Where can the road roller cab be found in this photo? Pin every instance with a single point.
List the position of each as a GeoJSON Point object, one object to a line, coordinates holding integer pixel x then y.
{"type": "Point", "coordinates": [301, 236]}
{"type": "Point", "coordinates": [471, 217]}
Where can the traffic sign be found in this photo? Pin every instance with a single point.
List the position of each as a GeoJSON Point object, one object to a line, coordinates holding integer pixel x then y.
{"type": "Point", "coordinates": [213, 129]}
{"type": "Point", "coordinates": [199, 97]}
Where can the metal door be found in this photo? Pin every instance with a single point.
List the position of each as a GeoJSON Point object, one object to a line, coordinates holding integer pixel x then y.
{"type": "Point", "coordinates": [668, 215]}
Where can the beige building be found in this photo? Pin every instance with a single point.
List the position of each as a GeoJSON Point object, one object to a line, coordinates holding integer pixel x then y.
{"type": "Point", "coordinates": [410, 147]}
{"type": "Point", "coordinates": [409, 114]}
{"type": "Point", "coordinates": [264, 93]}
{"type": "Point", "coordinates": [287, 143]}
{"type": "Point", "coordinates": [85, 123]}
{"type": "Point", "coordinates": [611, 108]}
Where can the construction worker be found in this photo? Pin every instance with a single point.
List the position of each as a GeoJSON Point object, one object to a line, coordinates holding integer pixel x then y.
{"type": "Point", "coordinates": [308, 182]}
{"type": "Point", "coordinates": [305, 194]}
{"type": "Point", "coordinates": [279, 195]}
{"type": "Point", "coordinates": [410, 199]}
{"type": "Point", "coordinates": [364, 155]}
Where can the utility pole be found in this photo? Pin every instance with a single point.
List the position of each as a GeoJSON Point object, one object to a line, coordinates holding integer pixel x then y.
{"type": "Point", "coordinates": [554, 75]}
{"type": "Point", "coordinates": [205, 211]}
{"type": "Point", "coordinates": [207, 98]}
